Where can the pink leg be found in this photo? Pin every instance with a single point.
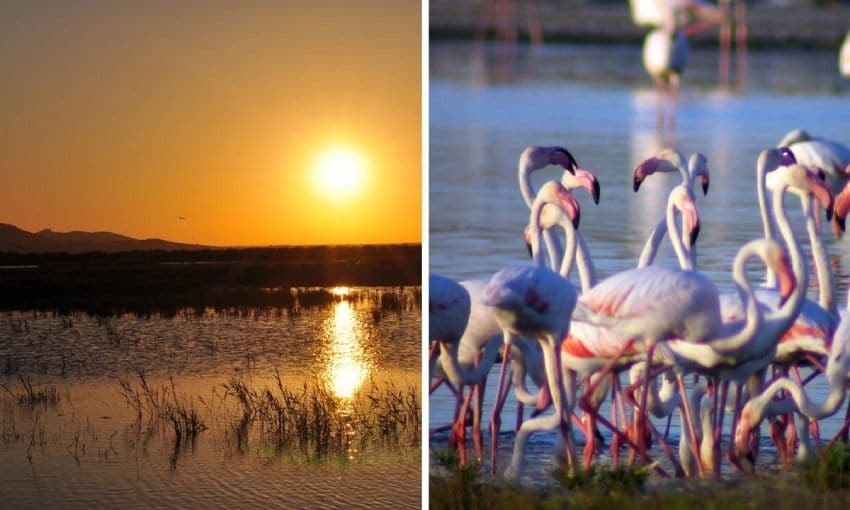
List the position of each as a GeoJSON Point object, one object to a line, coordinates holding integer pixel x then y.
{"type": "Point", "coordinates": [736, 414]}
{"type": "Point", "coordinates": [501, 395]}
{"type": "Point", "coordinates": [718, 429]}
{"type": "Point", "coordinates": [641, 424]}
{"type": "Point", "coordinates": [689, 420]}
{"type": "Point", "coordinates": [496, 424]}
{"type": "Point", "coordinates": [741, 43]}
{"type": "Point", "coordinates": [725, 36]}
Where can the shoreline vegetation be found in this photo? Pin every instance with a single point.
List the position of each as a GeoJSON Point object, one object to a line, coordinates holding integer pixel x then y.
{"type": "Point", "coordinates": [146, 282]}
{"type": "Point", "coordinates": [822, 482]}
{"type": "Point", "coordinates": [815, 26]}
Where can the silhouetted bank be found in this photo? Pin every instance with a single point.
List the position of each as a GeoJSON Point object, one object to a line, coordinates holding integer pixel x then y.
{"type": "Point", "coordinates": [165, 281]}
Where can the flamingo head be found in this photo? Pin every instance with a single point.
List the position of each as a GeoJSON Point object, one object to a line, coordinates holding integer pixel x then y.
{"type": "Point", "coordinates": [668, 160]}
{"type": "Point", "coordinates": [582, 179]}
{"type": "Point", "coordinates": [842, 206]}
{"type": "Point", "coordinates": [800, 180]}
{"type": "Point", "coordinates": [559, 201]}
{"type": "Point", "coordinates": [786, 156]}
{"type": "Point", "coordinates": [743, 446]}
{"type": "Point", "coordinates": [698, 166]}
{"type": "Point", "coordinates": [683, 200]}
{"type": "Point", "coordinates": [535, 158]}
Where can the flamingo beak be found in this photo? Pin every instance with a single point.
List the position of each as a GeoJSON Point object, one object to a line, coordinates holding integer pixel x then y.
{"type": "Point", "coordinates": [787, 281]}
{"type": "Point", "coordinates": [704, 181]}
{"type": "Point", "coordinates": [643, 170]}
{"type": "Point", "coordinates": [527, 238]}
{"type": "Point", "coordinates": [842, 207]}
{"type": "Point", "coordinates": [589, 182]}
{"type": "Point", "coordinates": [822, 194]}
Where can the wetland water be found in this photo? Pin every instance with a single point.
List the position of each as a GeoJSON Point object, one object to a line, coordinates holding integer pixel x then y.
{"type": "Point", "coordinates": [78, 442]}
{"type": "Point", "coordinates": [487, 103]}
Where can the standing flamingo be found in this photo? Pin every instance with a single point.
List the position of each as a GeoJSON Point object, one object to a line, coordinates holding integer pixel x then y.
{"type": "Point", "coordinates": [665, 56]}
{"type": "Point", "coordinates": [537, 302]}
{"type": "Point", "coordinates": [653, 304]}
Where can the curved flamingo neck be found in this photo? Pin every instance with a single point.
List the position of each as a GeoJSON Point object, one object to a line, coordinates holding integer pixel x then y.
{"type": "Point", "coordinates": [826, 280]}
{"type": "Point", "coordinates": [837, 391]}
{"type": "Point", "coordinates": [586, 269]}
{"type": "Point", "coordinates": [676, 237]}
{"type": "Point", "coordinates": [767, 218]}
{"type": "Point", "coordinates": [525, 187]}
{"type": "Point", "coordinates": [566, 262]}
{"type": "Point", "coordinates": [457, 373]}
{"type": "Point", "coordinates": [788, 312]}
{"type": "Point", "coordinates": [753, 322]}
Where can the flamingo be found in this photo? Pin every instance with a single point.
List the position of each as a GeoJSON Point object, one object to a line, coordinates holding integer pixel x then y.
{"type": "Point", "coordinates": [537, 302]}
{"type": "Point", "coordinates": [745, 354]}
{"type": "Point", "coordinates": [534, 158]}
{"type": "Point", "coordinates": [816, 321]}
{"type": "Point", "coordinates": [670, 160]}
{"type": "Point", "coordinates": [654, 303]}
{"type": "Point", "coordinates": [463, 363]}
{"type": "Point", "coordinates": [820, 154]}
{"type": "Point", "coordinates": [448, 312]}
{"type": "Point", "coordinates": [837, 373]}
{"type": "Point", "coordinates": [665, 56]}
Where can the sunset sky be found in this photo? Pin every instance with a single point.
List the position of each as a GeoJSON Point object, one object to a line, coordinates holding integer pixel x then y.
{"type": "Point", "coordinates": [125, 116]}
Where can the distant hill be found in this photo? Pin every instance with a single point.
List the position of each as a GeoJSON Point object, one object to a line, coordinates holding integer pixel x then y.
{"type": "Point", "coordinates": [14, 239]}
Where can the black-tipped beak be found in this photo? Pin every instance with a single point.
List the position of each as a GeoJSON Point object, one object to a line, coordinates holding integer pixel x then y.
{"type": "Point", "coordinates": [694, 234]}
{"type": "Point", "coordinates": [636, 185]}
{"type": "Point", "coordinates": [595, 192]}
{"type": "Point", "coordinates": [577, 219]}
{"type": "Point", "coordinates": [528, 247]}
{"type": "Point", "coordinates": [704, 185]}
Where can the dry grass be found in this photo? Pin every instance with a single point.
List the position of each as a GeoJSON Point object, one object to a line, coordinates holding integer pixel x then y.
{"type": "Point", "coordinates": [32, 395]}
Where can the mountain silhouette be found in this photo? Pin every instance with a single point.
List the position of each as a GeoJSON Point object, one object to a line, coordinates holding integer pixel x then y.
{"type": "Point", "coordinates": [14, 239]}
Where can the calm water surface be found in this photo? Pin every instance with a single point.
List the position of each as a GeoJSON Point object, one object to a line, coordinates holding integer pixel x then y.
{"type": "Point", "coordinates": [487, 104]}
{"type": "Point", "coordinates": [92, 449]}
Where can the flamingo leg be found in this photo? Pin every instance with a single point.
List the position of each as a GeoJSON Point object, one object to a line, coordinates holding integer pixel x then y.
{"type": "Point", "coordinates": [476, 421]}
{"type": "Point", "coordinates": [641, 424]}
{"type": "Point", "coordinates": [689, 420]}
{"type": "Point", "coordinates": [718, 429]}
{"type": "Point", "coordinates": [736, 414]}
{"type": "Point", "coordinates": [496, 425]}
{"type": "Point", "coordinates": [725, 40]}
{"type": "Point", "coordinates": [459, 430]}
{"type": "Point", "coordinates": [501, 395]}
{"type": "Point", "coordinates": [741, 42]}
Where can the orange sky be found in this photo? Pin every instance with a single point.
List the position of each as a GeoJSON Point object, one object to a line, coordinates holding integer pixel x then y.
{"type": "Point", "coordinates": [123, 116]}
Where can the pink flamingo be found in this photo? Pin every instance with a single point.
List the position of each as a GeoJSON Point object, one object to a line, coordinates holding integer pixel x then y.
{"type": "Point", "coordinates": [837, 373]}
{"type": "Point", "coordinates": [537, 302]}
{"type": "Point", "coordinates": [670, 160]}
{"type": "Point", "coordinates": [653, 304]}
{"type": "Point", "coordinates": [753, 347]}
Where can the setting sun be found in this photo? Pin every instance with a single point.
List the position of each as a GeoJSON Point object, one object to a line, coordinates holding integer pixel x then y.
{"type": "Point", "coordinates": [340, 171]}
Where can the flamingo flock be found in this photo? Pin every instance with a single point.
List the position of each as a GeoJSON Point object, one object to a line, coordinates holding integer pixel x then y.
{"type": "Point", "coordinates": [655, 324]}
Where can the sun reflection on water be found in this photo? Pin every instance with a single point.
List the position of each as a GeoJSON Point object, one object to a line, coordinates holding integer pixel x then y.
{"type": "Point", "coordinates": [347, 366]}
